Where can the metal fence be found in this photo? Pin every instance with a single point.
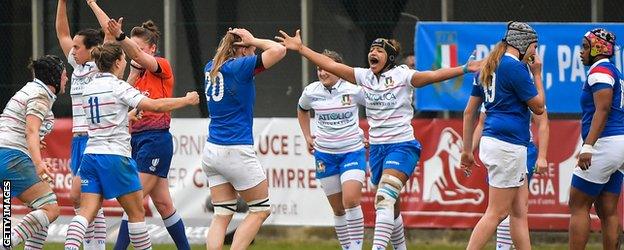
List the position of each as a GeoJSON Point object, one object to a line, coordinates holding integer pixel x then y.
{"type": "Point", "coordinates": [193, 28]}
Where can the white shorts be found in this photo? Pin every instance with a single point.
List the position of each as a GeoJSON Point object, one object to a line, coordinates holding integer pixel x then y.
{"type": "Point", "coordinates": [506, 162]}
{"type": "Point", "coordinates": [333, 184]}
{"type": "Point", "coordinates": [235, 164]}
{"type": "Point", "coordinates": [607, 158]}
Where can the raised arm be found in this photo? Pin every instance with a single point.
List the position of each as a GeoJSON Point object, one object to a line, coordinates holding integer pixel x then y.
{"type": "Point", "coordinates": [168, 104]}
{"type": "Point", "coordinates": [102, 18]}
{"type": "Point", "coordinates": [294, 43]}
{"type": "Point", "coordinates": [62, 27]}
{"type": "Point", "coordinates": [132, 49]}
{"type": "Point", "coordinates": [424, 78]}
{"type": "Point", "coordinates": [272, 53]}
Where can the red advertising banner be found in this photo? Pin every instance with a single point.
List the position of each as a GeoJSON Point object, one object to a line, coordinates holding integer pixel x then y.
{"type": "Point", "coordinates": [438, 194]}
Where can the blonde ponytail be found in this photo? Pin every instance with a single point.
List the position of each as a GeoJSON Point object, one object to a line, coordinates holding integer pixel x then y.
{"type": "Point", "coordinates": [491, 63]}
{"type": "Point", "coordinates": [225, 51]}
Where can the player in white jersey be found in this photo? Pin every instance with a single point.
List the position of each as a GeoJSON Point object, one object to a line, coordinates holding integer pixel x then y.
{"type": "Point", "coordinates": [78, 52]}
{"type": "Point", "coordinates": [394, 151]}
{"type": "Point", "coordinates": [536, 164]}
{"type": "Point", "coordinates": [338, 148]}
{"type": "Point", "coordinates": [26, 119]}
{"type": "Point", "coordinates": [107, 171]}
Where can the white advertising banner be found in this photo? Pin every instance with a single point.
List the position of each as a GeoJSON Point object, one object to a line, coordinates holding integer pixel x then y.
{"type": "Point", "coordinates": [295, 196]}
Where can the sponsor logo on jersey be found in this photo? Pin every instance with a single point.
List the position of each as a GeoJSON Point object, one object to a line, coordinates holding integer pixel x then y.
{"type": "Point", "coordinates": [335, 116]}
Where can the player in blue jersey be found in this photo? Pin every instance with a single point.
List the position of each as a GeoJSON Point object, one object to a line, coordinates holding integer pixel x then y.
{"type": "Point", "coordinates": [394, 150]}
{"type": "Point", "coordinates": [505, 86]}
{"type": "Point", "coordinates": [598, 179]}
{"type": "Point", "coordinates": [536, 164]}
{"type": "Point", "coordinates": [229, 160]}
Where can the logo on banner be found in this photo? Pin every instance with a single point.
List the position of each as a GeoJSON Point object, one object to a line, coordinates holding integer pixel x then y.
{"type": "Point", "coordinates": [447, 57]}
{"type": "Point", "coordinates": [441, 184]}
{"type": "Point", "coordinates": [346, 100]}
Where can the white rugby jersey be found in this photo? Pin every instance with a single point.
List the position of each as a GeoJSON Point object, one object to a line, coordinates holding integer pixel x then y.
{"type": "Point", "coordinates": [82, 75]}
{"type": "Point", "coordinates": [336, 116]}
{"type": "Point", "coordinates": [389, 100]}
{"type": "Point", "coordinates": [106, 101]}
{"type": "Point", "coordinates": [35, 98]}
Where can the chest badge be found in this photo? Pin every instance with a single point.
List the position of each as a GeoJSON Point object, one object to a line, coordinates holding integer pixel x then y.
{"type": "Point", "coordinates": [346, 100]}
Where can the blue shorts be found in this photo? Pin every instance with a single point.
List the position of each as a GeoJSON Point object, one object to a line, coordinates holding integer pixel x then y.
{"type": "Point", "coordinates": [78, 145]}
{"type": "Point", "coordinates": [531, 160]}
{"type": "Point", "coordinates": [401, 156]}
{"type": "Point", "coordinates": [111, 176]}
{"type": "Point", "coordinates": [19, 169]}
{"type": "Point", "coordinates": [332, 164]}
{"type": "Point", "coordinates": [152, 150]}
{"type": "Point", "coordinates": [614, 185]}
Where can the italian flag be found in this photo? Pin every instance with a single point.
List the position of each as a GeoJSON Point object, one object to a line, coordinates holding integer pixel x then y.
{"type": "Point", "coordinates": [446, 56]}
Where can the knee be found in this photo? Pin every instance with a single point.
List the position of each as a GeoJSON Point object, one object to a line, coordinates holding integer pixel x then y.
{"type": "Point", "coordinates": [52, 211]}
{"type": "Point", "coordinates": [350, 201]}
{"type": "Point", "coordinates": [388, 192]}
{"type": "Point", "coordinates": [136, 213]}
{"type": "Point", "coordinates": [260, 208]}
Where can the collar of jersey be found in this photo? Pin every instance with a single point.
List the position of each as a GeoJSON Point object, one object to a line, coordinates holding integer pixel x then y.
{"type": "Point", "coordinates": [512, 56]}
{"type": "Point", "coordinates": [598, 62]}
{"type": "Point", "coordinates": [105, 74]}
{"type": "Point", "coordinates": [41, 84]}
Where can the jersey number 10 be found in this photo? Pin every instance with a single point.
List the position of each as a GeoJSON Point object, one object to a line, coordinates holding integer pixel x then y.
{"type": "Point", "coordinates": [94, 105]}
{"type": "Point", "coordinates": [216, 86]}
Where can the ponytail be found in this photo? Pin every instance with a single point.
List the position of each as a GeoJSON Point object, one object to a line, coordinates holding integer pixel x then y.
{"type": "Point", "coordinates": [491, 63]}
{"type": "Point", "coordinates": [105, 56]}
{"type": "Point", "coordinates": [225, 51]}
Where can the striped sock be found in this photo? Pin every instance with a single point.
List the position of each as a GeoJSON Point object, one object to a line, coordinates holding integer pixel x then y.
{"type": "Point", "coordinates": [138, 235]}
{"type": "Point", "coordinates": [503, 236]}
{"type": "Point", "coordinates": [175, 227]}
{"type": "Point", "coordinates": [340, 224]}
{"type": "Point", "coordinates": [398, 235]}
{"type": "Point", "coordinates": [97, 241]}
{"type": "Point", "coordinates": [37, 240]}
{"type": "Point", "coordinates": [355, 224]}
{"type": "Point", "coordinates": [384, 225]}
{"type": "Point", "coordinates": [76, 232]}
{"type": "Point", "coordinates": [32, 223]}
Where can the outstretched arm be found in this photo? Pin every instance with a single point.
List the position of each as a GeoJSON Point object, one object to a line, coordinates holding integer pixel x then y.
{"type": "Point", "coordinates": [294, 43]}
{"type": "Point", "coordinates": [102, 18]}
{"type": "Point", "coordinates": [62, 27]}
{"type": "Point", "coordinates": [168, 104]}
{"type": "Point", "coordinates": [131, 48]}
{"type": "Point", "coordinates": [424, 78]}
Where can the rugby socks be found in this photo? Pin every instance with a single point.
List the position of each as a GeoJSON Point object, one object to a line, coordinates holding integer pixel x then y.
{"type": "Point", "coordinates": [76, 232]}
{"type": "Point", "coordinates": [398, 234]}
{"type": "Point", "coordinates": [340, 224]}
{"type": "Point", "coordinates": [138, 235]}
{"type": "Point", "coordinates": [355, 225]}
{"type": "Point", "coordinates": [36, 241]}
{"type": "Point", "coordinates": [503, 235]}
{"type": "Point", "coordinates": [95, 238]}
{"type": "Point", "coordinates": [384, 226]}
{"type": "Point", "coordinates": [32, 223]}
{"type": "Point", "coordinates": [175, 227]}
{"type": "Point", "coordinates": [123, 237]}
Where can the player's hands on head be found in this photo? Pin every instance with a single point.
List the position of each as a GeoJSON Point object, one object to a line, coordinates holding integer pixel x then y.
{"type": "Point", "coordinates": [114, 26]}
{"type": "Point", "coordinates": [192, 98]}
{"type": "Point", "coordinates": [291, 43]}
{"type": "Point", "coordinates": [246, 36]}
